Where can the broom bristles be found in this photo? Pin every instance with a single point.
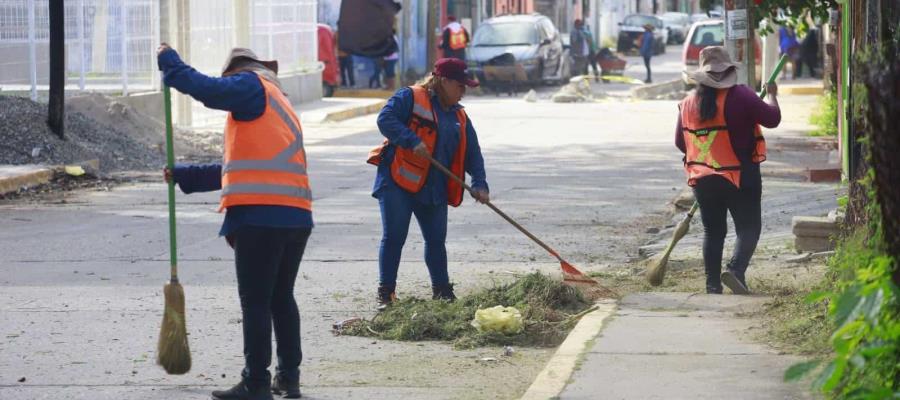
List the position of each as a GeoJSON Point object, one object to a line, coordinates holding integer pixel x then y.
{"type": "Point", "coordinates": [172, 352]}
{"type": "Point", "coordinates": [657, 271]}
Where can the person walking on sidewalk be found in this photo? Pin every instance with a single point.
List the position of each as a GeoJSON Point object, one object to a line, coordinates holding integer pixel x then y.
{"type": "Point", "coordinates": [268, 204]}
{"type": "Point", "coordinates": [646, 49]}
{"type": "Point", "coordinates": [718, 130]}
{"type": "Point", "coordinates": [419, 121]}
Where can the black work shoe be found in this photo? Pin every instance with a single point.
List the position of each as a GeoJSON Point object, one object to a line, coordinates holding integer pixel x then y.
{"type": "Point", "coordinates": [386, 297]}
{"type": "Point", "coordinates": [443, 292]}
{"type": "Point", "coordinates": [243, 392]}
{"type": "Point", "coordinates": [734, 282]}
{"type": "Point", "coordinates": [286, 389]}
{"type": "Point", "coordinates": [713, 290]}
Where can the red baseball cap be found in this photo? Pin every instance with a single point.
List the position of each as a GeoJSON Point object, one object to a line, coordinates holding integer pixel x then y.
{"type": "Point", "coordinates": [455, 69]}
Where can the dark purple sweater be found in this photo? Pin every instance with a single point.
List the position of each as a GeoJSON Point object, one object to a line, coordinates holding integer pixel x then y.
{"type": "Point", "coordinates": [743, 110]}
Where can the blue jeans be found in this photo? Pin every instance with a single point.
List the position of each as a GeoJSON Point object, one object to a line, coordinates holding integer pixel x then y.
{"type": "Point", "coordinates": [397, 207]}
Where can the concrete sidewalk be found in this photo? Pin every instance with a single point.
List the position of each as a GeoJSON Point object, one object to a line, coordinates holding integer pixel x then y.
{"type": "Point", "coordinates": [681, 346]}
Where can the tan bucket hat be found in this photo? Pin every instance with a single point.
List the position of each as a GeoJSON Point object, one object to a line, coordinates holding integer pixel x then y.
{"type": "Point", "coordinates": [238, 53]}
{"type": "Point", "coordinates": [716, 68]}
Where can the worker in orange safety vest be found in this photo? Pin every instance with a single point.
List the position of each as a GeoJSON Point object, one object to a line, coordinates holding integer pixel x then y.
{"type": "Point", "coordinates": [421, 120]}
{"type": "Point", "coordinates": [719, 132]}
{"type": "Point", "coordinates": [454, 39]}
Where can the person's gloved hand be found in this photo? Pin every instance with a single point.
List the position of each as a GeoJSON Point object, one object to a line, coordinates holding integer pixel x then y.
{"type": "Point", "coordinates": [421, 150]}
{"type": "Point", "coordinates": [481, 195]}
{"type": "Point", "coordinates": [167, 175]}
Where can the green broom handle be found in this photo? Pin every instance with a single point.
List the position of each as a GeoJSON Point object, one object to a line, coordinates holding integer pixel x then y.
{"type": "Point", "coordinates": [170, 162]}
{"type": "Point", "coordinates": [774, 75]}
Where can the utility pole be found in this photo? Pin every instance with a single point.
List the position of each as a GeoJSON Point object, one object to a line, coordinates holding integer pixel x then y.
{"type": "Point", "coordinates": [739, 40]}
{"type": "Point", "coordinates": [56, 114]}
{"type": "Point", "coordinates": [432, 32]}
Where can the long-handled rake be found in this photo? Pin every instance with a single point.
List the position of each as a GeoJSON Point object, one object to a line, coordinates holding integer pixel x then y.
{"type": "Point", "coordinates": [571, 275]}
{"type": "Point", "coordinates": [172, 351]}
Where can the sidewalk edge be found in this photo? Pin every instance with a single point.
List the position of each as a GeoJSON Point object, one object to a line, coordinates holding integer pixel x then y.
{"type": "Point", "coordinates": [555, 376]}
{"type": "Point", "coordinates": [353, 112]}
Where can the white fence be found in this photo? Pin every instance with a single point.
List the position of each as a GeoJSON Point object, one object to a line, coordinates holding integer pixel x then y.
{"type": "Point", "coordinates": [111, 44]}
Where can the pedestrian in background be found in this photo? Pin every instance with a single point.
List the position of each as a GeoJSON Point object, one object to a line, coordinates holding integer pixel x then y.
{"type": "Point", "coordinates": [454, 39]}
{"type": "Point", "coordinates": [267, 203]}
{"type": "Point", "coordinates": [418, 121]}
{"type": "Point", "coordinates": [787, 42]}
{"type": "Point", "coordinates": [580, 48]}
{"type": "Point", "coordinates": [718, 130]}
{"type": "Point", "coordinates": [809, 52]}
{"type": "Point", "coordinates": [646, 49]}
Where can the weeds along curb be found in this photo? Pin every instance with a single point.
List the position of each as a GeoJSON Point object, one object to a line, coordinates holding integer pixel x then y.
{"type": "Point", "coordinates": [555, 376]}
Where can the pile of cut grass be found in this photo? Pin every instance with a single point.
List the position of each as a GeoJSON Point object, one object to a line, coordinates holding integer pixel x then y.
{"type": "Point", "coordinates": [549, 309]}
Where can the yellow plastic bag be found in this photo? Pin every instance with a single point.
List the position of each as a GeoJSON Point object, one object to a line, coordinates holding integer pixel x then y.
{"type": "Point", "coordinates": [505, 320]}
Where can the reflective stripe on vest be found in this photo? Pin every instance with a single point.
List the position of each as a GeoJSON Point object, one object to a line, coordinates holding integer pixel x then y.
{"type": "Point", "coordinates": [265, 162]}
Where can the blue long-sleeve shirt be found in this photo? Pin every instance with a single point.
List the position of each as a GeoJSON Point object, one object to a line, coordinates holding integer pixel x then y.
{"type": "Point", "coordinates": [242, 95]}
{"type": "Point", "coordinates": [647, 44]}
{"type": "Point", "coordinates": [393, 123]}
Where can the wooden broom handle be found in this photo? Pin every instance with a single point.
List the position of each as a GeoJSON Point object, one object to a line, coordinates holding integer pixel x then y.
{"type": "Point", "coordinates": [493, 207]}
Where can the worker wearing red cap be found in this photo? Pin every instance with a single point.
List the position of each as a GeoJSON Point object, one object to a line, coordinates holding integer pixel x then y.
{"type": "Point", "coordinates": [425, 119]}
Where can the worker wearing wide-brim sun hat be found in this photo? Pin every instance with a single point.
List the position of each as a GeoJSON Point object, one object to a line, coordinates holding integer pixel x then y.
{"type": "Point", "coordinates": [424, 119]}
{"type": "Point", "coordinates": [718, 130]}
{"type": "Point", "coordinates": [268, 208]}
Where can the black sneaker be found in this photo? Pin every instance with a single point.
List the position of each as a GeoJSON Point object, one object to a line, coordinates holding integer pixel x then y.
{"type": "Point", "coordinates": [734, 282]}
{"type": "Point", "coordinates": [713, 290]}
{"type": "Point", "coordinates": [443, 292]}
{"type": "Point", "coordinates": [286, 389]}
{"type": "Point", "coordinates": [386, 297]}
{"type": "Point", "coordinates": [243, 392]}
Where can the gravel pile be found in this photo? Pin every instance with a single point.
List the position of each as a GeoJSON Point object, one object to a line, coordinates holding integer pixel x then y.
{"type": "Point", "coordinates": [25, 138]}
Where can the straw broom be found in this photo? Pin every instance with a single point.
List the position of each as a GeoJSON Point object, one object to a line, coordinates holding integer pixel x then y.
{"type": "Point", "coordinates": [657, 271]}
{"type": "Point", "coordinates": [172, 351]}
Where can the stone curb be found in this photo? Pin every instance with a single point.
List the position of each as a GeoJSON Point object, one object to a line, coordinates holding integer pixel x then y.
{"type": "Point", "coordinates": [555, 376]}
{"type": "Point", "coordinates": [355, 111]}
{"type": "Point", "coordinates": [649, 92]}
{"type": "Point", "coordinates": [13, 177]}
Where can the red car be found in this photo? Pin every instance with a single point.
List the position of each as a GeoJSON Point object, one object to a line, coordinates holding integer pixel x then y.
{"type": "Point", "coordinates": [708, 33]}
{"type": "Point", "coordinates": [328, 59]}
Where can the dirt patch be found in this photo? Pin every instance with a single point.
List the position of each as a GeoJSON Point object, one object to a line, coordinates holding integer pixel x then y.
{"type": "Point", "coordinates": [549, 309]}
{"type": "Point", "coordinates": [97, 127]}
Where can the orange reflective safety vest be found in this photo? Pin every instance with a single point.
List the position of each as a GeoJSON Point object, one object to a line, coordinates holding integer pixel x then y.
{"type": "Point", "coordinates": [457, 39]}
{"type": "Point", "coordinates": [265, 163]}
{"type": "Point", "coordinates": [408, 170]}
{"type": "Point", "coordinates": [708, 143]}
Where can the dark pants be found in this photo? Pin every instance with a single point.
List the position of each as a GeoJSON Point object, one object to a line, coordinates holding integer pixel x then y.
{"type": "Point", "coordinates": [647, 64]}
{"type": "Point", "coordinates": [267, 260]}
{"type": "Point", "coordinates": [347, 78]}
{"type": "Point", "coordinates": [397, 208]}
{"type": "Point", "coordinates": [375, 79]}
{"type": "Point", "coordinates": [717, 197]}
{"type": "Point", "coordinates": [592, 60]}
